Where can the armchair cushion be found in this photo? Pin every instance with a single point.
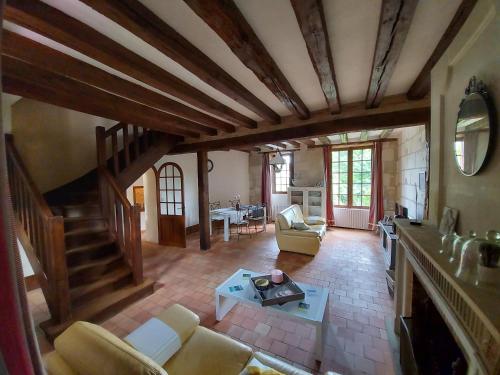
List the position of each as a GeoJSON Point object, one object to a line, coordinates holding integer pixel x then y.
{"type": "Point", "coordinates": [315, 220]}
{"type": "Point", "coordinates": [279, 365]}
{"type": "Point", "coordinates": [209, 353]}
{"type": "Point", "coordinates": [91, 350]}
{"type": "Point", "coordinates": [181, 320]}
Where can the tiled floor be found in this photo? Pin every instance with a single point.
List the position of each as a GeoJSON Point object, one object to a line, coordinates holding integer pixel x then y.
{"type": "Point", "coordinates": [349, 263]}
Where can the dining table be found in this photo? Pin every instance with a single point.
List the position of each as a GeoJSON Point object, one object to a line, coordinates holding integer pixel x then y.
{"type": "Point", "coordinates": [230, 216]}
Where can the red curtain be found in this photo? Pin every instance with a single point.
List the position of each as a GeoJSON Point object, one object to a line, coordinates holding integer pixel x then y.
{"type": "Point", "coordinates": [377, 196]}
{"type": "Point", "coordinates": [327, 158]}
{"type": "Point", "coordinates": [265, 189]}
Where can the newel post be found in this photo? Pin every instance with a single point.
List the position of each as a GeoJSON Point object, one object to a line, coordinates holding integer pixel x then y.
{"type": "Point", "coordinates": [135, 218]}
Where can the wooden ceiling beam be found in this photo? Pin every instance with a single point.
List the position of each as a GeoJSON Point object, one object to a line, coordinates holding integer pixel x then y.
{"type": "Point", "coordinates": [324, 140]}
{"type": "Point", "coordinates": [58, 26]}
{"type": "Point", "coordinates": [369, 121]}
{"type": "Point", "coordinates": [422, 85]}
{"type": "Point", "coordinates": [364, 136]}
{"type": "Point", "coordinates": [395, 20]}
{"type": "Point", "coordinates": [20, 78]}
{"type": "Point", "coordinates": [307, 142]}
{"type": "Point", "coordinates": [311, 18]}
{"type": "Point", "coordinates": [224, 17]}
{"type": "Point", "coordinates": [293, 143]}
{"type": "Point", "coordinates": [44, 57]}
{"type": "Point", "coordinates": [139, 20]}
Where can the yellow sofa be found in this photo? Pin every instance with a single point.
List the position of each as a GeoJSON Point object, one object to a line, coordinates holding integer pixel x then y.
{"type": "Point", "coordinates": [299, 241]}
{"type": "Point", "coordinates": [88, 349]}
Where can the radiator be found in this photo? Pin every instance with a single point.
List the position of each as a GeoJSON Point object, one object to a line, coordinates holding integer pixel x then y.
{"type": "Point", "coordinates": [356, 218]}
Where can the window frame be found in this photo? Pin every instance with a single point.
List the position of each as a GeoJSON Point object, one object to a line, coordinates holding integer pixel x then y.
{"type": "Point", "coordinates": [349, 174]}
{"type": "Point", "coordinates": [290, 174]}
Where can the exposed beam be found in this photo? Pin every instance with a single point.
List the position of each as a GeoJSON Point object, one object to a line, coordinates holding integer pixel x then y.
{"type": "Point", "coordinates": [224, 17]}
{"type": "Point", "coordinates": [141, 21]}
{"type": "Point", "coordinates": [20, 78]}
{"type": "Point", "coordinates": [364, 136]}
{"type": "Point", "coordinates": [44, 57]}
{"type": "Point", "coordinates": [385, 133]}
{"type": "Point", "coordinates": [307, 142]}
{"type": "Point", "coordinates": [203, 197]}
{"type": "Point", "coordinates": [58, 26]}
{"type": "Point", "coordinates": [324, 140]}
{"type": "Point", "coordinates": [395, 20]}
{"type": "Point", "coordinates": [422, 84]}
{"type": "Point", "coordinates": [375, 120]}
{"type": "Point", "coordinates": [293, 143]}
{"type": "Point", "coordinates": [311, 18]}
{"type": "Point", "coordinates": [279, 145]}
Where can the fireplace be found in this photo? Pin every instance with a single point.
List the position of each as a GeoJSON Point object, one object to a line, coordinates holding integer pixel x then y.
{"type": "Point", "coordinates": [446, 325]}
{"type": "Point", "coordinates": [426, 343]}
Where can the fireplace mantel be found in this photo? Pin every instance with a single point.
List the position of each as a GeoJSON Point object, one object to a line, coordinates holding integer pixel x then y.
{"type": "Point", "coordinates": [472, 314]}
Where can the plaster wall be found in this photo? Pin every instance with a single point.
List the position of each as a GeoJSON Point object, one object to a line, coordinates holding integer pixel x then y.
{"type": "Point", "coordinates": [474, 52]}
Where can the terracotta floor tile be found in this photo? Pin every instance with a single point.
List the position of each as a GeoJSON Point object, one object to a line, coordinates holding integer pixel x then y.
{"type": "Point", "coordinates": [350, 263]}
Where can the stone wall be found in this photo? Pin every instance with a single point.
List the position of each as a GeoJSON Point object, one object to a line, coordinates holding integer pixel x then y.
{"type": "Point", "coordinates": [411, 162]}
{"type": "Point", "coordinates": [389, 167]}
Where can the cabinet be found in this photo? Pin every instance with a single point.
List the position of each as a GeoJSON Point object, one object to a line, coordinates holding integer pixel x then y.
{"type": "Point", "coordinates": [312, 200]}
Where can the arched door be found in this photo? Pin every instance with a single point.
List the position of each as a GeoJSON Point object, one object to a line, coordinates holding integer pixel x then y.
{"type": "Point", "coordinates": [171, 216]}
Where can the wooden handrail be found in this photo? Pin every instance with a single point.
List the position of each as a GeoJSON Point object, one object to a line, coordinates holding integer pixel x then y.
{"type": "Point", "coordinates": [124, 221]}
{"type": "Point", "coordinates": [41, 234]}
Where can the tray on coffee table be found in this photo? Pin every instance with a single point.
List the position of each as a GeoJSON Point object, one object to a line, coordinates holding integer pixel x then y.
{"type": "Point", "coordinates": [277, 294]}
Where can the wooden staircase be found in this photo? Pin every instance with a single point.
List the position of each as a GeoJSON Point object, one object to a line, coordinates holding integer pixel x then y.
{"type": "Point", "coordinates": [83, 239]}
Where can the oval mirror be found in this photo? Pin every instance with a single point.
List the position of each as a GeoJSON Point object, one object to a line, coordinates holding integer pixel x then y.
{"type": "Point", "coordinates": [474, 129]}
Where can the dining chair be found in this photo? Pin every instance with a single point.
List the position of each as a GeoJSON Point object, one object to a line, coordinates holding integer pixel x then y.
{"type": "Point", "coordinates": [214, 217]}
{"type": "Point", "coordinates": [256, 217]}
{"type": "Point", "coordinates": [241, 223]}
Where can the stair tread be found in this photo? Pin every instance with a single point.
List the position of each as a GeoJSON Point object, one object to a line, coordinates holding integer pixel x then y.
{"type": "Point", "coordinates": [95, 263]}
{"type": "Point", "coordinates": [82, 218]}
{"type": "Point", "coordinates": [85, 231]}
{"type": "Point", "coordinates": [89, 246]}
{"type": "Point", "coordinates": [95, 308]}
{"type": "Point", "coordinates": [109, 278]}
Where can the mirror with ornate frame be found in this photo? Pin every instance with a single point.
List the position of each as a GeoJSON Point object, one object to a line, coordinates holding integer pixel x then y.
{"type": "Point", "coordinates": [475, 128]}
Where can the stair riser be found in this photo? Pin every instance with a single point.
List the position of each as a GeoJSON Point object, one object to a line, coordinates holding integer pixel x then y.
{"type": "Point", "coordinates": [82, 198]}
{"type": "Point", "coordinates": [105, 289]}
{"type": "Point", "coordinates": [76, 240]}
{"type": "Point", "coordinates": [85, 224]}
{"type": "Point", "coordinates": [78, 211]}
{"type": "Point", "coordinates": [74, 259]}
{"type": "Point", "coordinates": [91, 274]}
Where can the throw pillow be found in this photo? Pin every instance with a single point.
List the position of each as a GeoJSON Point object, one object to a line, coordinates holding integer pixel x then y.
{"type": "Point", "coordinates": [300, 225]}
{"type": "Point", "coordinates": [255, 367]}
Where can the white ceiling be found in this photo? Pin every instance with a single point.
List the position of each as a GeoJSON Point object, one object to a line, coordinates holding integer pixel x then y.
{"type": "Point", "coordinates": [352, 26]}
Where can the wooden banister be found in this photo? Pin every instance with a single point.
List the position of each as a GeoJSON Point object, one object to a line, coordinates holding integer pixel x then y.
{"type": "Point", "coordinates": [41, 234]}
{"type": "Point", "coordinates": [124, 221]}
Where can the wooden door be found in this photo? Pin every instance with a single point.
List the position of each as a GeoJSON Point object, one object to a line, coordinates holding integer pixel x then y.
{"type": "Point", "coordinates": [171, 216]}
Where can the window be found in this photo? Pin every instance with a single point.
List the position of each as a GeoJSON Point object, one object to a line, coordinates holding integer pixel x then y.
{"type": "Point", "coordinates": [281, 179]}
{"type": "Point", "coordinates": [352, 177]}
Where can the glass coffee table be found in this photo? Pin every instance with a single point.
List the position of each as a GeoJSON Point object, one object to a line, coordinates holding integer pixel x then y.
{"type": "Point", "coordinates": [312, 309]}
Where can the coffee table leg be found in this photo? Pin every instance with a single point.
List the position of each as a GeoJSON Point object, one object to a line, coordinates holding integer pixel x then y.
{"type": "Point", "coordinates": [321, 332]}
{"type": "Point", "coordinates": [226, 228]}
{"type": "Point", "coordinates": [222, 306]}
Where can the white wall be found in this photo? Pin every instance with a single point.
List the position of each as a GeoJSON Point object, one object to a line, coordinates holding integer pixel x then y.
{"type": "Point", "coordinates": [230, 176]}
{"type": "Point", "coordinates": [130, 197]}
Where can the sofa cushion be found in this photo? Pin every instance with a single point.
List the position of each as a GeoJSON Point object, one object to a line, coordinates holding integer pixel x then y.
{"type": "Point", "coordinates": [279, 365]}
{"type": "Point", "coordinates": [284, 221]}
{"type": "Point", "coordinates": [315, 220]}
{"type": "Point", "coordinates": [55, 365]}
{"type": "Point", "coordinates": [300, 225]}
{"type": "Point", "coordinates": [255, 367]}
{"type": "Point", "coordinates": [181, 320]}
{"type": "Point", "coordinates": [91, 350]}
{"type": "Point", "coordinates": [288, 216]}
{"type": "Point", "coordinates": [209, 353]}
{"type": "Point", "coordinates": [319, 228]}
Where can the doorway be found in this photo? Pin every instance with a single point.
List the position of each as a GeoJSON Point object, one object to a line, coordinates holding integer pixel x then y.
{"type": "Point", "coordinates": [171, 210]}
